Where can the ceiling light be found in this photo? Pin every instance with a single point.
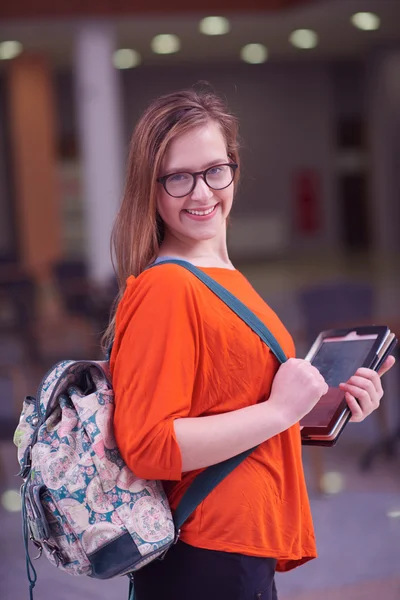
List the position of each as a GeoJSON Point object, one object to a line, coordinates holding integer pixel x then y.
{"type": "Point", "coordinates": [394, 514]}
{"type": "Point", "coordinates": [304, 39]}
{"type": "Point", "coordinates": [165, 43]}
{"type": "Point", "coordinates": [366, 21]}
{"type": "Point", "coordinates": [9, 50]}
{"type": "Point", "coordinates": [214, 26]}
{"type": "Point", "coordinates": [254, 54]}
{"type": "Point", "coordinates": [125, 58]}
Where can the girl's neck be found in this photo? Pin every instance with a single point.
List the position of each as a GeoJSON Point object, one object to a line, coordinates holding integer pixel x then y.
{"type": "Point", "coordinates": [201, 254]}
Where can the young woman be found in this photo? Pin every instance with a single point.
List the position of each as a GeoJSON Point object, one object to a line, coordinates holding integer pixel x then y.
{"type": "Point", "coordinates": [193, 384]}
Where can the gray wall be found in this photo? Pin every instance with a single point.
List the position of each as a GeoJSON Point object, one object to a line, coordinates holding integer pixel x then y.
{"type": "Point", "coordinates": [288, 116]}
{"type": "Point", "coordinates": [6, 222]}
{"type": "Point", "coordinates": [287, 120]}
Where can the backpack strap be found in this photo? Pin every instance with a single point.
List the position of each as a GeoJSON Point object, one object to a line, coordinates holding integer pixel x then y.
{"type": "Point", "coordinates": [212, 476]}
{"type": "Point", "coordinates": [234, 304]}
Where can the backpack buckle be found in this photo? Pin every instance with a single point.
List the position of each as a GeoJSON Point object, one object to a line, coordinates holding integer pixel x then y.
{"type": "Point", "coordinates": [39, 546]}
{"type": "Point", "coordinates": [54, 552]}
{"type": "Point", "coordinates": [177, 536]}
{"type": "Point", "coordinates": [26, 463]}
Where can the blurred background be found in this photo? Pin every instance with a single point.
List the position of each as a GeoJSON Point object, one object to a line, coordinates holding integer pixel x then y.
{"type": "Point", "coordinates": [316, 223]}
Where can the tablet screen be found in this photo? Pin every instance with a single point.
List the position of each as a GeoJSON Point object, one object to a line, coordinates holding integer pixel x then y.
{"type": "Point", "coordinates": [337, 360]}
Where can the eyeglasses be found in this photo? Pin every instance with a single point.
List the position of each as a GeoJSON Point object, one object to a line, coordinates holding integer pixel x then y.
{"type": "Point", "coordinates": [217, 177]}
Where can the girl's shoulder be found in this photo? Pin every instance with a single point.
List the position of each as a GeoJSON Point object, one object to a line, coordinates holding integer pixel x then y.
{"type": "Point", "coordinates": [166, 286]}
{"type": "Point", "coordinates": [163, 277]}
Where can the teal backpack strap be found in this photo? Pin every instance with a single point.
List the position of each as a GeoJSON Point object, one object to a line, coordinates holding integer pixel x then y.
{"type": "Point", "coordinates": [212, 476]}
{"type": "Point", "coordinates": [234, 304]}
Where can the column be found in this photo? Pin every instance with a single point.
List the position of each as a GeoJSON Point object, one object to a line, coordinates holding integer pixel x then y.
{"type": "Point", "coordinates": [34, 157]}
{"type": "Point", "coordinates": [7, 241]}
{"type": "Point", "coordinates": [383, 111]}
{"type": "Point", "coordinates": [98, 105]}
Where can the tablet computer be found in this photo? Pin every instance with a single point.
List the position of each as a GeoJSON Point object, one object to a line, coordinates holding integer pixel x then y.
{"type": "Point", "coordinates": [337, 354]}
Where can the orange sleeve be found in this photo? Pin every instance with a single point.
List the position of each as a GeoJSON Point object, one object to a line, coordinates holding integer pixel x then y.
{"type": "Point", "coordinates": [153, 366]}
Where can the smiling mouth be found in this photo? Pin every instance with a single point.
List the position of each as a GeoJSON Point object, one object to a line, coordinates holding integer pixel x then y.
{"type": "Point", "coordinates": [201, 213]}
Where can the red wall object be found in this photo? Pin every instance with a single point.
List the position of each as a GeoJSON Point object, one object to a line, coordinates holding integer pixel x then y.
{"type": "Point", "coordinates": [307, 193]}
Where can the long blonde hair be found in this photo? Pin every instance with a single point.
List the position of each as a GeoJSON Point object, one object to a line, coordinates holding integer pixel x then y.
{"type": "Point", "coordinates": [138, 229]}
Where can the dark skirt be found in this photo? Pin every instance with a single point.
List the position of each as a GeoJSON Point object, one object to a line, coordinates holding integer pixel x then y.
{"type": "Point", "coordinates": [188, 573]}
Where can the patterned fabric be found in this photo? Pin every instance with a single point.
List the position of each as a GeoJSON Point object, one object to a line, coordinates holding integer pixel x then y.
{"type": "Point", "coordinates": [79, 497]}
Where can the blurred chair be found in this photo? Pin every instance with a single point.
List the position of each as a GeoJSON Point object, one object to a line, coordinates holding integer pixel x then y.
{"type": "Point", "coordinates": [19, 354]}
{"type": "Point", "coordinates": [18, 310]}
{"type": "Point", "coordinates": [332, 305]}
{"type": "Point", "coordinates": [40, 325]}
{"type": "Point", "coordinates": [389, 442]}
{"type": "Point", "coordinates": [72, 282]}
{"type": "Point", "coordinates": [336, 303]}
{"type": "Point", "coordinates": [82, 320]}
{"type": "Point", "coordinates": [102, 302]}
{"type": "Point", "coordinates": [80, 297]}
{"type": "Point", "coordinates": [14, 387]}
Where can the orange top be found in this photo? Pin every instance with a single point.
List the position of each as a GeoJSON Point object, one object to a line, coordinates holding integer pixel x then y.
{"type": "Point", "coordinates": [179, 351]}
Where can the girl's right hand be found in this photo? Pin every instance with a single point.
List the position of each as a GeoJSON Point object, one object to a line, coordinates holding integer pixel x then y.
{"type": "Point", "coordinates": [296, 389]}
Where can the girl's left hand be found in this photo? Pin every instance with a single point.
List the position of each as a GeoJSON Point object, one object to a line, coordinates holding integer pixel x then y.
{"type": "Point", "coordinates": [364, 390]}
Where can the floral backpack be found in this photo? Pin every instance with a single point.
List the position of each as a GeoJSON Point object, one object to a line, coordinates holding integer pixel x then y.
{"type": "Point", "coordinates": [82, 507]}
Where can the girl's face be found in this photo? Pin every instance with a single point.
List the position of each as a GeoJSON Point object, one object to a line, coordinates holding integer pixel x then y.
{"type": "Point", "coordinates": [194, 151]}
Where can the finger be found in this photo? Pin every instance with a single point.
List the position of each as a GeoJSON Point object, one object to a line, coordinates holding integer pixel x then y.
{"type": "Point", "coordinates": [388, 364]}
{"type": "Point", "coordinates": [371, 383]}
{"type": "Point", "coordinates": [368, 403]}
{"type": "Point", "coordinates": [371, 375]}
{"type": "Point", "coordinates": [357, 414]}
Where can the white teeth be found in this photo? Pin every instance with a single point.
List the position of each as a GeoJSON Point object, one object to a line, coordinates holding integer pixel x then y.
{"type": "Point", "coordinates": [200, 213]}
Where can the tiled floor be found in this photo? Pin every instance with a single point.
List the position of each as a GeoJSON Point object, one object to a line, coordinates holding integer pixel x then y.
{"type": "Point", "coordinates": [385, 589]}
{"type": "Point", "coordinates": [358, 543]}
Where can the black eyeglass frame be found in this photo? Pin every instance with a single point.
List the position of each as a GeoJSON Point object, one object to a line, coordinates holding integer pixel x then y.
{"type": "Point", "coordinates": [203, 174]}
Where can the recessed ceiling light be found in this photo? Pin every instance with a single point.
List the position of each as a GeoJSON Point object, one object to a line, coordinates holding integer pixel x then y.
{"type": "Point", "coordinates": [254, 54]}
{"type": "Point", "coordinates": [366, 21]}
{"type": "Point", "coordinates": [214, 26]}
{"type": "Point", "coordinates": [10, 49]}
{"type": "Point", "coordinates": [306, 39]}
{"type": "Point", "coordinates": [165, 43]}
{"type": "Point", "coordinates": [126, 58]}
{"type": "Point", "coordinates": [394, 514]}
